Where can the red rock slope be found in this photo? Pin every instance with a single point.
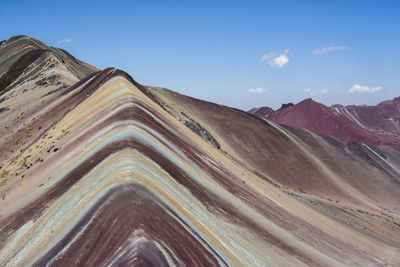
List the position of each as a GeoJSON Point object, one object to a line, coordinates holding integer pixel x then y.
{"type": "Point", "coordinates": [363, 124]}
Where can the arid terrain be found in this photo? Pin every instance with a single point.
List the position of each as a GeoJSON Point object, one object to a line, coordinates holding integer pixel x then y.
{"type": "Point", "coordinates": [97, 170]}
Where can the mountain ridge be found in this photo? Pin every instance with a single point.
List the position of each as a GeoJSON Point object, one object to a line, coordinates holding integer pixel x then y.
{"type": "Point", "coordinates": [108, 171]}
{"type": "Point", "coordinates": [376, 125]}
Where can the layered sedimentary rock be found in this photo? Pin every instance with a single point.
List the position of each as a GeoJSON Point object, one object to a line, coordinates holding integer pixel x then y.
{"type": "Point", "coordinates": [376, 125]}
{"type": "Point", "coordinates": [383, 118]}
{"type": "Point", "coordinates": [110, 172]}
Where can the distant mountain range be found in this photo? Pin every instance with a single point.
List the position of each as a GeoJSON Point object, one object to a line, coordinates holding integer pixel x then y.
{"type": "Point", "coordinates": [377, 125]}
{"type": "Point", "coordinates": [99, 170]}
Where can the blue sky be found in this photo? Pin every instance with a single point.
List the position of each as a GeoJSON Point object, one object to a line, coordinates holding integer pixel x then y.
{"type": "Point", "coordinates": [238, 53]}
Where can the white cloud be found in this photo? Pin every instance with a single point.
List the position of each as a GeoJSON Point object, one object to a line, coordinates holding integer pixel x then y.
{"type": "Point", "coordinates": [257, 90]}
{"type": "Point", "coordinates": [276, 60]}
{"type": "Point", "coordinates": [64, 41]}
{"type": "Point", "coordinates": [315, 92]}
{"type": "Point", "coordinates": [324, 50]}
{"type": "Point", "coordinates": [364, 89]}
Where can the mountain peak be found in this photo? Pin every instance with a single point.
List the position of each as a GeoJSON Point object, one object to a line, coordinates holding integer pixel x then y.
{"type": "Point", "coordinates": [261, 111]}
{"type": "Point", "coordinates": [285, 106]}
{"type": "Point", "coordinates": [370, 126]}
{"type": "Point", "coordinates": [104, 154]}
{"type": "Point", "coordinates": [309, 101]}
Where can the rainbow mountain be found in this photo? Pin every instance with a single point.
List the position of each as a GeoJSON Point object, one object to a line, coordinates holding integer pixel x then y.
{"type": "Point", "coordinates": [99, 170]}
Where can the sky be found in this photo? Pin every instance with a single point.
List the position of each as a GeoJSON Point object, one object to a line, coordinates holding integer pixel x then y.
{"type": "Point", "coordinates": [242, 54]}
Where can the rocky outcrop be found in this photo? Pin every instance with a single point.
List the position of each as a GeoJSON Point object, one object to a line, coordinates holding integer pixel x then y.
{"type": "Point", "coordinates": [261, 112]}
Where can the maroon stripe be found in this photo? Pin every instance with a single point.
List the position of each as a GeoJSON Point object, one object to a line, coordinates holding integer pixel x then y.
{"type": "Point", "coordinates": [112, 222]}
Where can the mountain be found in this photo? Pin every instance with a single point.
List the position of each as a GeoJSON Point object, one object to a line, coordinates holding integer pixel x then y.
{"type": "Point", "coordinates": [383, 118]}
{"type": "Point", "coordinates": [55, 65]}
{"type": "Point", "coordinates": [377, 125]}
{"type": "Point", "coordinates": [107, 171]}
{"type": "Point", "coordinates": [261, 112]}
